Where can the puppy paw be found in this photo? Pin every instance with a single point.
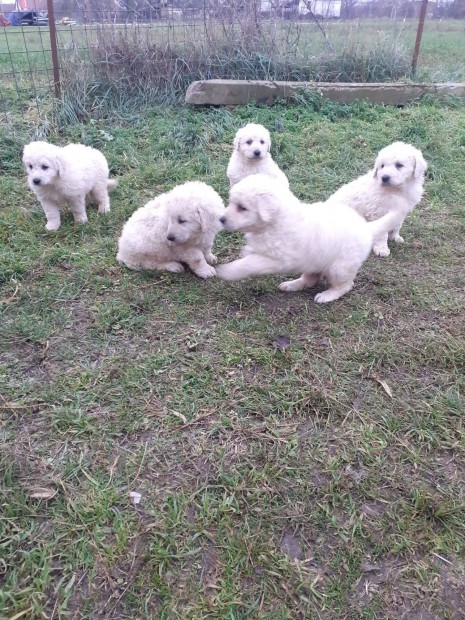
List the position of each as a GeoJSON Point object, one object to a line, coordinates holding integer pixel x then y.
{"type": "Point", "coordinates": [206, 272]}
{"type": "Point", "coordinates": [212, 259]}
{"type": "Point", "coordinates": [104, 209]}
{"type": "Point", "coordinates": [381, 251]}
{"type": "Point", "coordinates": [398, 239]}
{"type": "Point", "coordinates": [173, 267]}
{"type": "Point", "coordinates": [324, 297]}
{"type": "Point", "coordinates": [80, 219]}
{"type": "Point", "coordinates": [291, 286]}
{"type": "Point", "coordinates": [52, 226]}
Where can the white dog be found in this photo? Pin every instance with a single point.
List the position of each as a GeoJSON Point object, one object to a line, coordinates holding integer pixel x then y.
{"type": "Point", "coordinates": [285, 236]}
{"type": "Point", "coordinates": [251, 155]}
{"type": "Point", "coordinates": [67, 175]}
{"type": "Point", "coordinates": [395, 184]}
{"type": "Point", "coordinates": [177, 227]}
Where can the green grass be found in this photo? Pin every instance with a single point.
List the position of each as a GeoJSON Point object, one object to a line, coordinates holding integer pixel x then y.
{"type": "Point", "coordinates": [276, 484]}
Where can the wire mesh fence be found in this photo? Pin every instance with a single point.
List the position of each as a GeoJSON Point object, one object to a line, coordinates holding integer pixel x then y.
{"type": "Point", "coordinates": [130, 51]}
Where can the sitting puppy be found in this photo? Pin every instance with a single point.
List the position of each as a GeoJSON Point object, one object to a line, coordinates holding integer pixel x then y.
{"type": "Point", "coordinates": [177, 227]}
{"type": "Point", "coordinates": [285, 236]}
{"type": "Point", "coordinates": [251, 155]}
{"type": "Point", "coordinates": [396, 184]}
{"type": "Point", "coordinates": [67, 175]}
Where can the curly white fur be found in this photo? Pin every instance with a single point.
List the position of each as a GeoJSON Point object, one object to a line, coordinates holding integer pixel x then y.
{"type": "Point", "coordinates": [286, 236]}
{"type": "Point", "coordinates": [67, 175]}
{"type": "Point", "coordinates": [177, 227]}
{"type": "Point", "coordinates": [251, 155]}
{"type": "Point", "coordinates": [395, 184]}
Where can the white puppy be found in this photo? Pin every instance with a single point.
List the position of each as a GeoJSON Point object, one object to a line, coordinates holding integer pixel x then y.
{"type": "Point", "coordinates": [395, 184]}
{"type": "Point", "coordinates": [251, 155]}
{"type": "Point", "coordinates": [285, 236]}
{"type": "Point", "coordinates": [177, 227]}
{"type": "Point", "coordinates": [67, 175]}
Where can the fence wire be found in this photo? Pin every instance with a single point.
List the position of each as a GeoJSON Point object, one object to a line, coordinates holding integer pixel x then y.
{"type": "Point", "coordinates": [301, 29]}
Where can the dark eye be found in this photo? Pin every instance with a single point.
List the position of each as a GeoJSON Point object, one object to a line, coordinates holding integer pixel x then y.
{"type": "Point", "coordinates": [181, 221]}
{"type": "Point", "coordinates": [382, 165]}
{"type": "Point", "coordinates": [44, 167]}
{"type": "Point", "coordinates": [399, 165]}
{"type": "Point", "coordinates": [262, 141]}
{"type": "Point", "coordinates": [30, 166]}
{"type": "Point", "coordinates": [249, 142]}
{"type": "Point", "coordinates": [241, 208]}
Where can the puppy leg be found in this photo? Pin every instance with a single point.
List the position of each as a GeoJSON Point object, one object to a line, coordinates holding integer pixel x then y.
{"type": "Point", "coordinates": [306, 280]}
{"type": "Point", "coordinates": [340, 278]}
{"type": "Point", "coordinates": [380, 246]}
{"type": "Point", "coordinates": [334, 292]}
{"type": "Point", "coordinates": [395, 234]}
{"type": "Point", "coordinates": [249, 265]}
{"type": "Point", "coordinates": [52, 213]}
{"type": "Point", "coordinates": [210, 258]}
{"type": "Point", "coordinates": [78, 209]}
{"type": "Point", "coordinates": [196, 261]}
{"type": "Point", "coordinates": [100, 194]}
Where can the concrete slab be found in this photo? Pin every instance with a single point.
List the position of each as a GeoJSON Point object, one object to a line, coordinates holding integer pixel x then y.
{"type": "Point", "coordinates": [241, 92]}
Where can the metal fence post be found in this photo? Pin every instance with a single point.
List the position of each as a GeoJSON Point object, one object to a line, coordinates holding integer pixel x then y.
{"type": "Point", "coordinates": [53, 48]}
{"type": "Point", "coordinates": [421, 23]}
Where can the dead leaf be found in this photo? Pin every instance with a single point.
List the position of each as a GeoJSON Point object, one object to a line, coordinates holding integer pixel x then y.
{"type": "Point", "coordinates": [42, 493]}
{"type": "Point", "coordinates": [181, 416]}
{"type": "Point", "coordinates": [385, 386]}
{"type": "Point", "coordinates": [135, 496]}
{"type": "Point", "coordinates": [281, 343]}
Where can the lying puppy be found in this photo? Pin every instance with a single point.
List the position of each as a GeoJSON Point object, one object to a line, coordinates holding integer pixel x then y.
{"type": "Point", "coordinates": [285, 236]}
{"type": "Point", "coordinates": [251, 155]}
{"type": "Point", "coordinates": [396, 184]}
{"type": "Point", "coordinates": [177, 227]}
{"type": "Point", "coordinates": [67, 175]}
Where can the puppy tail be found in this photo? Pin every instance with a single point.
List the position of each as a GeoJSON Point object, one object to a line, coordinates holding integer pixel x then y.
{"type": "Point", "coordinates": [112, 183]}
{"type": "Point", "coordinates": [384, 224]}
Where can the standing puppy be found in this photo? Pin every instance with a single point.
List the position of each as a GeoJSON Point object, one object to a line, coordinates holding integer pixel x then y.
{"type": "Point", "coordinates": [395, 185]}
{"type": "Point", "coordinates": [68, 175]}
{"type": "Point", "coordinates": [251, 155]}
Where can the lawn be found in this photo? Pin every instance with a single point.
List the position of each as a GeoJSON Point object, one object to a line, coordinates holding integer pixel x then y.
{"type": "Point", "coordinates": [293, 461]}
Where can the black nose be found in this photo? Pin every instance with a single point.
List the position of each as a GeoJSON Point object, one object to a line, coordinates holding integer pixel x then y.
{"type": "Point", "coordinates": [385, 178]}
{"type": "Point", "coordinates": [171, 238]}
{"type": "Point", "coordinates": [36, 181]}
{"type": "Point", "coordinates": [257, 153]}
{"type": "Point", "coordinates": [223, 220]}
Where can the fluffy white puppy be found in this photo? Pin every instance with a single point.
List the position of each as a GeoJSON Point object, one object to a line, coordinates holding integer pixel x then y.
{"type": "Point", "coordinates": [67, 175]}
{"type": "Point", "coordinates": [251, 155]}
{"type": "Point", "coordinates": [395, 184]}
{"type": "Point", "coordinates": [177, 227]}
{"type": "Point", "coordinates": [285, 236]}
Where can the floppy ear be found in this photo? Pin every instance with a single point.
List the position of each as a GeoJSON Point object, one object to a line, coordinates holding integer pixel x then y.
{"type": "Point", "coordinates": [268, 206]}
{"type": "Point", "coordinates": [237, 141]}
{"type": "Point", "coordinates": [420, 165]}
{"type": "Point", "coordinates": [375, 170]}
{"type": "Point", "coordinates": [60, 165]}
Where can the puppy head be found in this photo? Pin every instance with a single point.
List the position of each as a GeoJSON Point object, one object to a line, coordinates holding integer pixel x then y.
{"type": "Point", "coordinates": [399, 163]}
{"type": "Point", "coordinates": [192, 209]}
{"type": "Point", "coordinates": [253, 141]}
{"type": "Point", "coordinates": [254, 204]}
{"type": "Point", "coordinates": [42, 163]}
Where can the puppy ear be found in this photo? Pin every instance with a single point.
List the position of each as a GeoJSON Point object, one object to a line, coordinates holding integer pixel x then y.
{"type": "Point", "coordinates": [268, 206]}
{"type": "Point", "coordinates": [60, 165]}
{"type": "Point", "coordinates": [375, 170]}
{"type": "Point", "coordinates": [420, 165]}
{"type": "Point", "coordinates": [237, 142]}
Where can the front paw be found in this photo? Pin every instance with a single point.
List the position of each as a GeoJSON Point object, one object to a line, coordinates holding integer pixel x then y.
{"type": "Point", "coordinates": [212, 259]}
{"type": "Point", "coordinates": [80, 219]}
{"type": "Point", "coordinates": [398, 239]}
{"type": "Point", "coordinates": [381, 251]}
{"type": "Point", "coordinates": [52, 226]}
{"type": "Point", "coordinates": [206, 272]}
